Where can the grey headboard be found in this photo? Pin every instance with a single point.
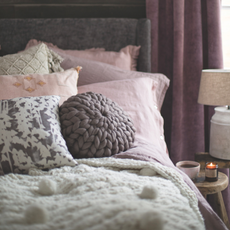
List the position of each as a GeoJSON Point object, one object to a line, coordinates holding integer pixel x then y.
{"type": "Point", "coordinates": [79, 33]}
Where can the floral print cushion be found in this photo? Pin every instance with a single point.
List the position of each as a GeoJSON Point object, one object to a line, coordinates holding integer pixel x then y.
{"type": "Point", "coordinates": [30, 135]}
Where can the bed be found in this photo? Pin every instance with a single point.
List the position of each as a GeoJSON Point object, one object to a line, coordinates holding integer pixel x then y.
{"type": "Point", "coordinates": [91, 156]}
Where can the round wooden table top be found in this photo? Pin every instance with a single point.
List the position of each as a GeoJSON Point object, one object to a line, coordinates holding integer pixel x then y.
{"type": "Point", "coordinates": [206, 187]}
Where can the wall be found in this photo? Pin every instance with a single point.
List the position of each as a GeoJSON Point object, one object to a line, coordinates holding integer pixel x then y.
{"type": "Point", "coordinates": [72, 8]}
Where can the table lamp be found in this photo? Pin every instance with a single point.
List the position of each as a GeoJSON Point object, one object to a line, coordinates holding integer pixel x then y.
{"type": "Point", "coordinates": [215, 90]}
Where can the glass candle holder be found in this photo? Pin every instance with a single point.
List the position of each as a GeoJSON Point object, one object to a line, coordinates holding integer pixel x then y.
{"type": "Point", "coordinates": [211, 172]}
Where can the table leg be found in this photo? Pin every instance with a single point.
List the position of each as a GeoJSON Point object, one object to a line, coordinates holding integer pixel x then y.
{"type": "Point", "coordinates": [221, 209]}
{"type": "Point", "coordinates": [204, 195]}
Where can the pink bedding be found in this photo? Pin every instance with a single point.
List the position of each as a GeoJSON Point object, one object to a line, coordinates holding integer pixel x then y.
{"type": "Point", "coordinates": [126, 58]}
{"type": "Point", "coordinates": [145, 151]}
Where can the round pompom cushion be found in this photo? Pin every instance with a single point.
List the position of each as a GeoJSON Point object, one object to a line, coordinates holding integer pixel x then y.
{"type": "Point", "coordinates": [95, 126]}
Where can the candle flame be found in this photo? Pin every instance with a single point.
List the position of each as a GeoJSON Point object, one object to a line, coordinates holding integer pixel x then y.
{"type": "Point", "coordinates": [211, 165]}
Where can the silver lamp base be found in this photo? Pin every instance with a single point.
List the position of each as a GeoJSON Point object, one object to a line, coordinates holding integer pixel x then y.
{"type": "Point", "coordinates": [220, 134]}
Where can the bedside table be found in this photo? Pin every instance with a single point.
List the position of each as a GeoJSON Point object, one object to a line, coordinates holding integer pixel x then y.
{"type": "Point", "coordinates": [215, 188]}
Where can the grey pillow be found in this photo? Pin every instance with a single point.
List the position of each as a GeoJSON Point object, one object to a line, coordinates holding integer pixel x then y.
{"type": "Point", "coordinates": [37, 59]}
{"type": "Point", "coordinates": [95, 126]}
{"type": "Point", "coordinates": [30, 135]}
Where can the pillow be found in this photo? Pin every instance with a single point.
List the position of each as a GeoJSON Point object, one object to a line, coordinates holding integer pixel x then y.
{"type": "Point", "coordinates": [95, 126]}
{"type": "Point", "coordinates": [34, 42]}
{"type": "Point", "coordinates": [30, 135]}
{"type": "Point", "coordinates": [37, 59]}
{"type": "Point", "coordinates": [126, 58]}
{"type": "Point", "coordinates": [94, 72]}
{"type": "Point", "coordinates": [138, 98]}
{"type": "Point", "coordinates": [63, 84]}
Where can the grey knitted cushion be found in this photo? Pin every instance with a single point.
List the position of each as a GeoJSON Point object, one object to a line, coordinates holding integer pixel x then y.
{"type": "Point", "coordinates": [95, 126]}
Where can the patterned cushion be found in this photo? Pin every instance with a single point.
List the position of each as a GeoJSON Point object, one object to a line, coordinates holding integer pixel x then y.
{"type": "Point", "coordinates": [37, 59]}
{"type": "Point", "coordinates": [30, 135]}
{"type": "Point", "coordinates": [63, 84]}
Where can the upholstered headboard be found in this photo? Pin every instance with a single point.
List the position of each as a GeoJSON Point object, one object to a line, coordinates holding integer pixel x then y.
{"type": "Point", "coordinates": [79, 33]}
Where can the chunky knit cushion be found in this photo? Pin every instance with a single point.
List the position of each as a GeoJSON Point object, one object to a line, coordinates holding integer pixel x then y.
{"type": "Point", "coordinates": [95, 126]}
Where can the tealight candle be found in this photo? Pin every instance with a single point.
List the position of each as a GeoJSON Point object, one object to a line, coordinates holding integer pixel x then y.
{"type": "Point", "coordinates": [211, 172]}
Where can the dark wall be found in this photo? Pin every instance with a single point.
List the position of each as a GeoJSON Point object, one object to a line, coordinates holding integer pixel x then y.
{"type": "Point", "coordinates": [72, 8]}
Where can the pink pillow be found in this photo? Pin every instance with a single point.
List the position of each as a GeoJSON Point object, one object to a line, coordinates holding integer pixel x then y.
{"type": "Point", "coordinates": [126, 58]}
{"type": "Point", "coordinates": [138, 98]}
{"type": "Point", "coordinates": [63, 84]}
{"type": "Point", "coordinates": [94, 72]}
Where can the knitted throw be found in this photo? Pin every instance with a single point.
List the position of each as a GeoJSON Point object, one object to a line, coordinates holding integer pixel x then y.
{"type": "Point", "coordinates": [98, 194]}
{"type": "Point", "coordinates": [95, 126]}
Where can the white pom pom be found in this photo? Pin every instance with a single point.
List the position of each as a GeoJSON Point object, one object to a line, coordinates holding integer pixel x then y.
{"type": "Point", "coordinates": [36, 214]}
{"type": "Point", "coordinates": [149, 192]}
{"type": "Point", "coordinates": [147, 172]}
{"type": "Point", "coordinates": [47, 187]}
{"type": "Point", "coordinates": [151, 220]}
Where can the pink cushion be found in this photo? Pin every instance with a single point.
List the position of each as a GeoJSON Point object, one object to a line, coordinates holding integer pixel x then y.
{"type": "Point", "coordinates": [62, 84]}
{"type": "Point", "coordinates": [94, 72]}
{"type": "Point", "coordinates": [138, 98]}
{"type": "Point", "coordinates": [126, 58]}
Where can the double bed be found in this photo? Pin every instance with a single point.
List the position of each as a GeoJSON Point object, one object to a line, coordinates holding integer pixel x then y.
{"type": "Point", "coordinates": [81, 134]}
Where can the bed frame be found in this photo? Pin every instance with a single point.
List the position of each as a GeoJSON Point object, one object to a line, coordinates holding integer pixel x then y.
{"type": "Point", "coordinates": [72, 9]}
{"type": "Point", "coordinates": [79, 33]}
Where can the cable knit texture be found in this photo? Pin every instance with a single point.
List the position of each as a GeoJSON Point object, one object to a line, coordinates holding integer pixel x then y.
{"type": "Point", "coordinates": [95, 126]}
{"type": "Point", "coordinates": [99, 193]}
{"type": "Point", "coordinates": [37, 59]}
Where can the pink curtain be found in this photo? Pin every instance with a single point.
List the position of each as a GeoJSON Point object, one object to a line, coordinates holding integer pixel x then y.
{"type": "Point", "coordinates": [186, 38]}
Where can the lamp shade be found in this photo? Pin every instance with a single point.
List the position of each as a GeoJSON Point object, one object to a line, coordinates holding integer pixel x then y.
{"type": "Point", "coordinates": [214, 87]}
{"type": "Point", "coordinates": [215, 91]}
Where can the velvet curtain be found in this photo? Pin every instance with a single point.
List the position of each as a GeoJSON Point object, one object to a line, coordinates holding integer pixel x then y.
{"type": "Point", "coordinates": [186, 38]}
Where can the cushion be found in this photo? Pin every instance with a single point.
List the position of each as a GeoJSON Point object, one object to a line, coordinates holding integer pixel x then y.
{"type": "Point", "coordinates": [95, 126]}
{"type": "Point", "coordinates": [94, 72]}
{"type": "Point", "coordinates": [37, 59]}
{"type": "Point", "coordinates": [30, 135]}
{"type": "Point", "coordinates": [138, 98]}
{"type": "Point", "coordinates": [63, 84]}
{"type": "Point", "coordinates": [126, 58]}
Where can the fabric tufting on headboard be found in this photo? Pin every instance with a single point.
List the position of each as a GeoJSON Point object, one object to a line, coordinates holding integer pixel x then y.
{"type": "Point", "coordinates": [79, 33]}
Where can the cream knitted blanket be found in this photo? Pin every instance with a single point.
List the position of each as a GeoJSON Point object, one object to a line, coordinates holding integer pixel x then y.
{"type": "Point", "coordinates": [99, 194]}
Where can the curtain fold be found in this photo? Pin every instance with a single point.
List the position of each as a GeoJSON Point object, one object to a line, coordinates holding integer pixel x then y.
{"type": "Point", "coordinates": [186, 38]}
